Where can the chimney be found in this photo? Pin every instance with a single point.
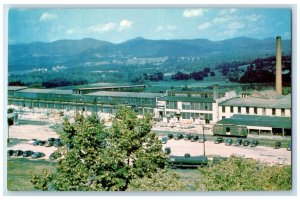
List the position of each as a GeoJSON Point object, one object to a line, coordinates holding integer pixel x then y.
{"type": "Point", "coordinates": [216, 91]}
{"type": "Point", "coordinates": [278, 66]}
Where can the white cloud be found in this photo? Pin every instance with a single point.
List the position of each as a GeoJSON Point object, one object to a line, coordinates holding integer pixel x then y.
{"type": "Point", "coordinates": [194, 12]}
{"type": "Point", "coordinates": [70, 31]}
{"type": "Point", "coordinates": [204, 26]}
{"type": "Point", "coordinates": [165, 28]}
{"type": "Point", "coordinates": [235, 25]}
{"type": "Point", "coordinates": [220, 20]}
{"type": "Point", "coordinates": [47, 16]}
{"type": "Point", "coordinates": [124, 24]}
{"type": "Point", "coordinates": [253, 18]}
{"type": "Point", "coordinates": [103, 27]}
{"type": "Point", "coordinates": [227, 11]}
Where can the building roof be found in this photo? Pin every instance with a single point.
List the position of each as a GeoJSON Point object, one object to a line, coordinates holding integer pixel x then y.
{"type": "Point", "coordinates": [258, 120]}
{"type": "Point", "coordinates": [48, 91]}
{"type": "Point", "coordinates": [109, 87]}
{"type": "Point", "coordinates": [126, 94]}
{"type": "Point", "coordinates": [15, 88]}
{"type": "Point", "coordinates": [283, 102]}
{"type": "Point", "coordinates": [186, 99]}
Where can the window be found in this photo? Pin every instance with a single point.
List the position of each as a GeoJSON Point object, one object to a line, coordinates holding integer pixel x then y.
{"type": "Point", "coordinates": [247, 110]}
{"type": "Point", "coordinates": [264, 111]}
{"type": "Point", "coordinates": [186, 106]}
{"type": "Point", "coordinates": [227, 129]}
{"type": "Point", "coordinates": [273, 111]}
{"type": "Point", "coordinates": [231, 109]}
{"type": "Point", "coordinates": [223, 109]}
{"type": "Point", "coordinates": [171, 105]}
{"type": "Point", "coordinates": [239, 109]}
{"type": "Point", "coordinates": [282, 112]}
{"type": "Point", "coordinates": [255, 110]}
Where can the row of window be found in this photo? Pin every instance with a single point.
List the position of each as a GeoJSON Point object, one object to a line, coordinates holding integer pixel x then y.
{"type": "Point", "coordinates": [189, 105]}
{"type": "Point", "coordinates": [255, 110]}
{"type": "Point", "coordinates": [188, 115]}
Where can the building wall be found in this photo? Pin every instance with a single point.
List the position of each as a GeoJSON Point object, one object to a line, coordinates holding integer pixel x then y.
{"type": "Point", "coordinates": [268, 112]}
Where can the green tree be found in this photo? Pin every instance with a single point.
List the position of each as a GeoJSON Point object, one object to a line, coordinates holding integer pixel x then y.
{"type": "Point", "coordinates": [240, 174]}
{"type": "Point", "coordinates": [160, 181]}
{"type": "Point", "coordinates": [96, 158]}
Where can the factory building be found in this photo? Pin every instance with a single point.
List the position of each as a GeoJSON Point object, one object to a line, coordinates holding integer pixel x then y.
{"type": "Point", "coordinates": [104, 101]}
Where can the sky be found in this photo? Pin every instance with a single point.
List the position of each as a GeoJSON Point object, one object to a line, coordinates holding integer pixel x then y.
{"type": "Point", "coordinates": [119, 25]}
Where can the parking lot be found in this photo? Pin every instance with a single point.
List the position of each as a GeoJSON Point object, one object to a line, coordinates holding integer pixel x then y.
{"type": "Point", "coordinates": [44, 130]}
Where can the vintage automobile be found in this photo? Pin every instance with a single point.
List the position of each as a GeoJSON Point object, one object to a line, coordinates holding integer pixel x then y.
{"type": "Point", "coordinates": [170, 136]}
{"type": "Point", "coordinates": [168, 150]}
{"type": "Point", "coordinates": [164, 140]}
{"type": "Point", "coordinates": [277, 145]}
{"type": "Point", "coordinates": [10, 152]}
{"type": "Point", "coordinates": [188, 136]}
{"type": "Point", "coordinates": [37, 155]}
{"type": "Point", "coordinates": [57, 143]}
{"type": "Point", "coordinates": [194, 138]}
{"type": "Point", "coordinates": [254, 143]}
{"type": "Point", "coordinates": [179, 136]}
{"type": "Point", "coordinates": [27, 153]}
{"type": "Point", "coordinates": [228, 142]}
{"type": "Point", "coordinates": [218, 140]}
{"type": "Point", "coordinates": [202, 139]}
{"type": "Point", "coordinates": [188, 161]}
{"type": "Point", "coordinates": [246, 143]}
{"type": "Point", "coordinates": [238, 142]}
{"type": "Point", "coordinates": [18, 153]}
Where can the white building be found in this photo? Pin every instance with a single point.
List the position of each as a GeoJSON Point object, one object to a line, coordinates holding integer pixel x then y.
{"type": "Point", "coordinates": [262, 104]}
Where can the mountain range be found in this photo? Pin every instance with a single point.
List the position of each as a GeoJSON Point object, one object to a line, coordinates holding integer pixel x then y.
{"type": "Point", "coordinates": [75, 52]}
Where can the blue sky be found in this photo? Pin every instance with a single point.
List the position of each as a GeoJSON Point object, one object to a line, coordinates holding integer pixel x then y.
{"type": "Point", "coordinates": [118, 25]}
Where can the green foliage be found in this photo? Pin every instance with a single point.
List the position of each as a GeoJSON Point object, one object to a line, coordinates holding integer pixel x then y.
{"type": "Point", "coordinates": [95, 158]}
{"type": "Point", "coordinates": [240, 174]}
{"type": "Point", "coordinates": [160, 181]}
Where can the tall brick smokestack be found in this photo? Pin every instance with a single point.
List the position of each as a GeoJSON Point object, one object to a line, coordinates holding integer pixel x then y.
{"type": "Point", "coordinates": [278, 66]}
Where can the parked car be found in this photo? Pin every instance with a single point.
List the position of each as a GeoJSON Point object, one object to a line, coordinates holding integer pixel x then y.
{"type": "Point", "coordinates": [195, 138]}
{"type": "Point", "coordinates": [218, 140]}
{"type": "Point", "coordinates": [202, 139]}
{"type": "Point", "coordinates": [37, 155]}
{"type": "Point", "coordinates": [27, 153]}
{"type": "Point", "coordinates": [18, 153]}
{"type": "Point", "coordinates": [246, 143]}
{"type": "Point", "coordinates": [168, 150]}
{"type": "Point", "coordinates": [49, 144]}
{"type": "Point", "coordinates": [238, 142]}
{"type": "Point", "coordinates": [289, 148]}
{"type": "Point", "coordinates": [170, 136]}
{"type": "Point", "coordinates": [42, 143]}
{"type": "Point", "coordinates": [254, 143]}
{"type": "Point", "coordinates": [51, 139]}
{"type": "Point", "coordinates": [228, 142]}
{"type": "Point", "coordinates": [10, 152]}
{"type": "Point", "coordinates": [277, 145]}
{"type": "Point", "coordinates": [57, 143]}
{"type": "Point", "coordinates": [36, 143]}
{"type": "Point", "coordinates": [179, 136]}
{"type": "Point", "coordinates": [164, 140]}
{"type": "Point", "coordinates": [32, 141]}
{"type": "Point", "coordinates": [188, 137]}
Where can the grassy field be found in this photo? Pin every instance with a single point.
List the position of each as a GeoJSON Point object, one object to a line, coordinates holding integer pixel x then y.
{"type": "Point", "coordinates": [20, 171]}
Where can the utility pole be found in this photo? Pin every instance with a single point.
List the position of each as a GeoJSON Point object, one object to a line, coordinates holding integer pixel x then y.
{"type": "Point", "coordinates": [203, 140]}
